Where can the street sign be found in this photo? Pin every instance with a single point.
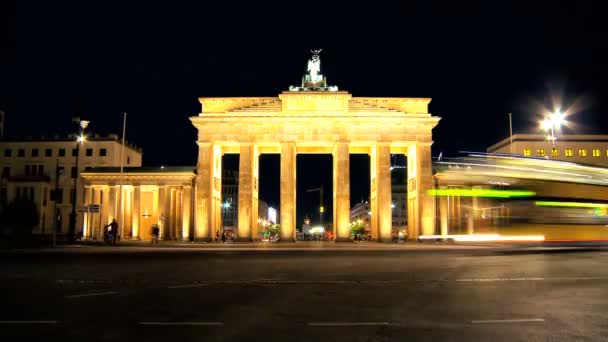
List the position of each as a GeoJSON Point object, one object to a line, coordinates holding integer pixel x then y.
{"type": "Point", "coordinates": [93, 208]}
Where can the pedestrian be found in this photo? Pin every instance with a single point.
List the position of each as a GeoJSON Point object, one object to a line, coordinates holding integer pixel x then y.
{"type": "Point", "coordinates": [217, 235]}
{"type": "Point", "coordinates": [223, 236]}
{"type": "Point", "coordinates": [155, 233]}
{"type": "Point", "coordinates": [113, 230]}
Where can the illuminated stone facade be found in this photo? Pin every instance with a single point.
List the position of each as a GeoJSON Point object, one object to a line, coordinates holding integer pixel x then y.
{"type": "Point", "coordinates": [150, 196]}
{"type": "Point", "coordinates": [298, 122]}
{"type": "Point", "coordinates": [591, 149]}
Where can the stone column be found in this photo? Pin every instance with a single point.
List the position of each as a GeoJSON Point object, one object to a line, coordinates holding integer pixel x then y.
{"type": "Point", "coordinates": [162, 214]}
{"type": "Point", "coordinates": [88, 198]}
{"type": "Point", "coordinates": [96, 219]}
{"type": "Point", "coordinates": [127, 221]}
{"type": "Point", "coordinates": [186, 212]}
{"type": "Point", "coordinates": [208, 191]}
{"type": "Point", "coordinates": [167, 213]}
{"type": "Point", "coordinates": [136, 212]}
{"type": "Point", "coordinates": [420, 180]}
{"type": "Point", "coordinates": [105, 206]}
{"type": "Point", "coordinates": [425, 183]}
{"type": "Point", "coordinates": [112, 214]}
{"type": "Point", "coordinates": [288, 191]}
{"type": "Point", "coordinates": [247, 192]}
{"type": "Point", "coordinates": [341, 173]}
{"type": "Point", "coordinates": [381, 157]}
{"type": "Point", "coordinates": [172, 211]}
{"type": "Point", "coordinates": [178, 214]}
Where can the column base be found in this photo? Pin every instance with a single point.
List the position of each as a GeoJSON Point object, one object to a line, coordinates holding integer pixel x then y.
{"type": "Point", "coordinates": [244, 240]}
{"type": "Point", "coordinates": [344, 240]}
{"type": "Point", "coordinates": [385, 240]}
{"type": "Point", "coordinates": [202, 240]}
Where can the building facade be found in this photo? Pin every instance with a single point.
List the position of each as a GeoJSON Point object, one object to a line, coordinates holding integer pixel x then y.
{"type": "Point", "coordinates": [43, 170]}
{"type": "Point", "coordinates": [139, 199]}
{"type": "Point", "coordinates": [577, 148]}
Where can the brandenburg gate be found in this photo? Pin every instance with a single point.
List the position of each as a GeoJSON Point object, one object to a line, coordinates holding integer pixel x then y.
{"type": "Point", "coordinates": [311, 118]}
{"type": "Point", "coordinates": [314, 118]}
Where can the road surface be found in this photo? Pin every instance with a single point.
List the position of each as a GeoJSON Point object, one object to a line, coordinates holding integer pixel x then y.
{"type": "Point", "coordinates": [480, 294]}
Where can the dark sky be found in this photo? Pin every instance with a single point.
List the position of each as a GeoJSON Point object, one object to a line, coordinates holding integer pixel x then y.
{"type": "Point", "coordinates": [73, 58]}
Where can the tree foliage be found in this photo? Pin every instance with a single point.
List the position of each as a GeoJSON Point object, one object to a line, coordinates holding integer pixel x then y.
{"type": "Point", "coordinates": [20, 217]}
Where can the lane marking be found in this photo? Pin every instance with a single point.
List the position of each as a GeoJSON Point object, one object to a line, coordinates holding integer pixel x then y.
{"type": "Point", "coordinates": [28, 322]}
{"type": "Point", "coordinates": [345, 324]}
{"type": "Point", "coordinates": [529, 279]}
{"type": "Point", "coordinates": [182, 323]}
{"type": "Point", "coordinates": [186, 286]}
{"type": "Point", "coordinates": [92, 294]}
{"type": "Point", "coordinates": [522, 320]}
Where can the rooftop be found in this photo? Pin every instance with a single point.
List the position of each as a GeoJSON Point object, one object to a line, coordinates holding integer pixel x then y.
{"type": "Point", "coordinates": [543, 137]}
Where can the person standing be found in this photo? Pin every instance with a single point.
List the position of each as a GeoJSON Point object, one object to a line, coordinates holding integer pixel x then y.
{"type": "Point", "coordinates": [114, 230]}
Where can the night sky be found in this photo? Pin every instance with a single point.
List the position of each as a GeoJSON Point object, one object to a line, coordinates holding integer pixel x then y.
{"type": "Point", "coordinates": [153, 62]}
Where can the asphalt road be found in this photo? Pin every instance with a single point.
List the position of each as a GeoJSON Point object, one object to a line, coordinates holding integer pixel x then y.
{"type": "Point", "coordinates": [402, 295]}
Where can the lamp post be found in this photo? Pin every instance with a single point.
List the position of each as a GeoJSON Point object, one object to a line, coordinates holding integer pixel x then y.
{"type": "Point", "coordinates": [550, 124]}
{"type": "Point", "coordinates": [80, 139]}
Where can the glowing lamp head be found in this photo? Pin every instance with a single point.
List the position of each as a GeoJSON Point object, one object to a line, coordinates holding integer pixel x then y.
{"type": "Point", "coordinates": [558, 118]}
{"type": "Point", "coordinates": [81, 138]}
{"type": "Point", "coordinates": [546, 124]}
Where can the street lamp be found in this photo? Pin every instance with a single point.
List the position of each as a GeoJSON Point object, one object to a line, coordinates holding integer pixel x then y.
{"type": "Point", "coordinates": [553, 122]}
{"type": "Point", "coordinates": [80, 139]}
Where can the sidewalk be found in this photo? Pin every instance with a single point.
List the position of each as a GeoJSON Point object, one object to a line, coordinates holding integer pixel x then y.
{"type": "Point", "coordinates": [298, 245]}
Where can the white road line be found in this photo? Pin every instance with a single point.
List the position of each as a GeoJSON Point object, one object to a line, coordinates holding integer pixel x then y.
{"type": "Point", "coordinates": [522, 320]}
{"type": "Point", "coordinates": [182, 323]}
{"type": "Point", "coordinates": [529, 279]}
{"type": "Point", "coordinates": [28, 322]}
{"type": "Point", "coordinates": [344, 324]}
{"type": "Point", "coordinates": [186, 286]}
{"type": "Point", "coordinates": [92, 294]}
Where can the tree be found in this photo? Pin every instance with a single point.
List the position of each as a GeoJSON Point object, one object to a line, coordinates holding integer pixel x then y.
{"type": "Point", "coordinates": [20, 217]}
{"type": "Point", "coordinates": [357, 227]}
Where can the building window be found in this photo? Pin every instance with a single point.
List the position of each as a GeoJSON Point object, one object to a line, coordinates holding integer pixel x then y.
{"type": "Point", "coordinates": [21, 152]}
{"type": "Point", "coordinates": [128, 160]}
{"type": "Point", "coordinates": [582, 153]}
{"type": "Point", "coordinates": [57, 195]}
{"type": "Point", "coordinates": [60, 170]}
{"type": "Point", "coordinates": [74, 152]}
{"type": "Point", "coordinates": [527, 152]}
{"type": "Point", "coordinates": [40, 170]}
{"type": "Point", "coordinates": [9, 153]}
{"type": "Point", "coordinates": [27, 170]}
{"type": "Point", "coordinates": [6, 172]}
{"type": "Point", "coordinates": [554, 152]}
{"type": "Point", "coordinates": [596, 152]}
{"type": "Point", "coordinates": [74, 172]}
{"type": "Point", "coordinates": [48, 152]}
{"type": "Point", "coordinates": [62, 152]}
{"type": "Point", "coordinates": [31, 197]}
{"type": "Point", "coordinates": [34, 152]}
{"type": "Point", "coordinates": [89, 152]}
{"type": "Point", "coordinates": [540, 152]}
{"type": "Point", "coordinates": [568, 152]}
{"type": "Point", "coordinates": [103, 152]}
